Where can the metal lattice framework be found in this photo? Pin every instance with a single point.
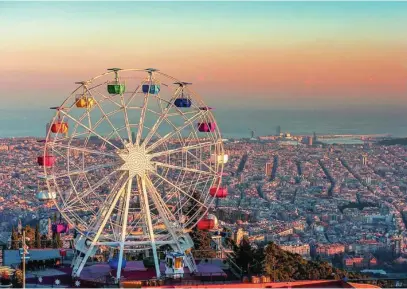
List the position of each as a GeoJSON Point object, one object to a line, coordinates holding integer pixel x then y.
{"type": "Point", "coordinates": [133, 171]}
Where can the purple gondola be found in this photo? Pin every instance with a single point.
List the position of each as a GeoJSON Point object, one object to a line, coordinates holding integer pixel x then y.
{"type": "Point", "coordinates": [183, 102]}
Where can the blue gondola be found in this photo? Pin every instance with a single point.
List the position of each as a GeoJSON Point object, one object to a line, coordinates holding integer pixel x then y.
{"type": "Point", "coordinates": [154, 88]}
{"type": "Point", "coordinates": [183, 102]}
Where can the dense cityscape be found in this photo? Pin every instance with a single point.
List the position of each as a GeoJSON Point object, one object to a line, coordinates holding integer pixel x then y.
{"type": "Point", "coordinates": [341, 203]}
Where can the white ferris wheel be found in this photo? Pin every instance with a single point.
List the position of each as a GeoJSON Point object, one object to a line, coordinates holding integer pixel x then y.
{"type": "Point", "coordinates": [133, 160]}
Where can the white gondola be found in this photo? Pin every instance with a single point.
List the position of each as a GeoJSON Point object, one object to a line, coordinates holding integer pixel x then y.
{"type": "Point", "coordinates": [46, 196]}
{"type": "Point", "coordinates": [220, 159]}
{"type": "Point", "coordinates": [215, 220]}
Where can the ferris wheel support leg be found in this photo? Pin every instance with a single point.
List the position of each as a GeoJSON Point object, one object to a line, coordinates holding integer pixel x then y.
{"type": "Point", "coordinates": [100, 225]}
{"type": "Point", "coordinates": [124, 228]}
{"type": "Point", "coordinates": [177, 246]}
{"type": "Point", "coordinates": [150, 227]}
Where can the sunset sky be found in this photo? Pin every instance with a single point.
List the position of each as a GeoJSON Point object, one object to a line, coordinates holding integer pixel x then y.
{"type": "Point", "coordinates": [257, 54]}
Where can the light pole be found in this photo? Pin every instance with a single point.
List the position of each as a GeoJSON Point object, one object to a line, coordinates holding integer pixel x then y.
{"type": "Point", "coordinates": [23, 253]}
{"type": "Point", "coordinates": [23, 258]}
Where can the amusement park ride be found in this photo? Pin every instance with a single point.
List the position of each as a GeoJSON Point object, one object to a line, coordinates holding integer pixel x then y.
{"type": "Point", "coordinates": [133, 166]}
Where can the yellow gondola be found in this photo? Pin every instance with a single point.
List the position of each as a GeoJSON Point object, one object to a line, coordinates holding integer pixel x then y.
{"type": "Point", "coordinates": [85, 101]}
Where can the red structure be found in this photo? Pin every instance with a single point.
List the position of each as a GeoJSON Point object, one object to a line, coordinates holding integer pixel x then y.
{"type": "Point", "coordinates": [206, 224]}
{"type": "Point", "coordinates": [46, 161]}
{"type": "Point", "coordinates": [218, 192]}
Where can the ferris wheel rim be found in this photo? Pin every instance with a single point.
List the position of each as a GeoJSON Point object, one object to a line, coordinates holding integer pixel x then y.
{"type": "Point", "coordinates": [157, 154]}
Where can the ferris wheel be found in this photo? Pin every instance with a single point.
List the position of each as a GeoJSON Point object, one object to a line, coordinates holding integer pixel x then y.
{"type": "Point", "coordinates": [133, 159]}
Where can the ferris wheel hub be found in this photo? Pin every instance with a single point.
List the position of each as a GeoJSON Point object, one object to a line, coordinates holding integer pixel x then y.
{"type": "Point", "coordinates": [135, 160]}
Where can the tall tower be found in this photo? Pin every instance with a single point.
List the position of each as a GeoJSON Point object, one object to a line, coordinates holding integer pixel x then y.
{"type": "Point", "coordinates": [364, 159]}
{"type": "Point", "coordinates": [252, 133]}
{"type": "Point", "coordinates": [268, 169]}
{"type": "Point", "coordinates": [315, 138]}
{"type": "Point", "coordinates": [278, 130]}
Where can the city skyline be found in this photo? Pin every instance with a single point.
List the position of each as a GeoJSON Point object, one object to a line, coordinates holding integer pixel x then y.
{"type": "Point", "coordinates": [263, 54]}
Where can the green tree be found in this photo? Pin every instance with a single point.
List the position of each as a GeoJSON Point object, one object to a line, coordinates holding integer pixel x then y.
{"type": "Point", "coordinates": [202, 244]}
{"type": "Point", "coordinates": [44, 241]}
{"type": "Point", "coordinates": [37, 237]}
{"type": "Point", "coordinates": [14, 239]}
{"type": "Point", "coordinates": [56, 241]}
{"type": "Point", "coordinates": [18, 279]}
{"type": "Point", "coordinates": [244, 255]}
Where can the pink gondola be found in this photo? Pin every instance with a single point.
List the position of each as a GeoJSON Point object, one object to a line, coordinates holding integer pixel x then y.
{"type": "Point", "coordinates": [206, 126]}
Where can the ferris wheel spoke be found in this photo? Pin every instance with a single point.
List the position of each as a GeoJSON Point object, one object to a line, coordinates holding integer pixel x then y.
{"type": "Point", "coordinates": [200, 162]}
{"type": "Point", "coordinates": [142, 117]}
{"type": "Point", "coordinates": [178, 188]}
{"type": "Point", "coordinates": [86, 170]}
{"type": "Point", "coordinates": [163, 115]}
{"type": "Point", "coordinates": [126, 118]}
{"type": "Point", "coordinates": [182, 149]}
{"type": "Point", "coordinates": [93, 188]}
{"type": "Point", "coordinates": [108, 205]}
{"type": "Point", "coordinates": [109, 121]}
{"type": "Point", "coordinates": [186, 169]}
{"type": "Point", "coordinates": [84, 149]}
{"type": "Point", "coordinates": [159, 202]}
{"type": "Point", "coordinates": [107, 97]}
{"type": "Point", "coordinates": [89, 129]}
{"type": "Point", "coordinates": [171, 134]}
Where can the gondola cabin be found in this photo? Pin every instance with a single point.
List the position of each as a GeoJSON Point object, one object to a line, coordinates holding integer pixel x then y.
{"type": "Point", "coordinates": [208, 223]}
{"type": "Point", "coordinates": [116, 87]}
{"type": "Point", "coordinates": [60, 228]}
{"type": "Point", "coordinates": [151, 88]}
{"type": "Point", "coordinates": [46, 161]}
{"type": "Point", "coordinates": [84, 101]}
{"type": "Point", "coordinates": [174, 265]}
{"type": "Point", "coordinates": [220, 159]}
{"type": "Point", "coordinates": [114, 263]}
{"type": "Point", "coordinates": [183, 102]}
{"type": "Point", "coordinates": [45, 196]}
{"type": "Point", "coordinates": [59, 127]}
{"type": "Point", "coordinates": [205, 108]}
{"type": "Point", "coordinates": [206, 126]}
{"type": "Point", "coordinates": [218, 192]}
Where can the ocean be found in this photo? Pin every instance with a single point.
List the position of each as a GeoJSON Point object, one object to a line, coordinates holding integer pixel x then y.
{"type": "Point", "coordinates": [238, 123]}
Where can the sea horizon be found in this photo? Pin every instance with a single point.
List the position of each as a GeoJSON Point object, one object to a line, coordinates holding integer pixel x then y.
{"type": "Point", "coordinates": [238, 122]}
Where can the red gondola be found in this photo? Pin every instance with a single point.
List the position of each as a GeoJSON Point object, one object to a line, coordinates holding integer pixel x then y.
{"type": "Point", "coordinates": [206, 126]}
{"type": "Point", "coordinates": [46, 161]}
{"type": "Point", "coordinates": [218, 192]}
{"type": "Point", "coordinates": [206, 224]}
{"type": "Point", "coordinates": [59, 127]}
